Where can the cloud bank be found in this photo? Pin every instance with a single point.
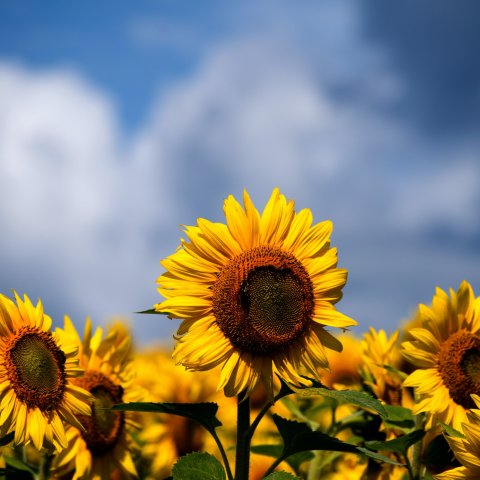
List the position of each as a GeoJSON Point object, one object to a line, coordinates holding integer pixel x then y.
{"type": "Point", "coordinates": [88, 212]}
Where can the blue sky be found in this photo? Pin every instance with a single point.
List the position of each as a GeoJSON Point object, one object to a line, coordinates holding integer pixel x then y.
{"type": "Point", "coordinates": [120, 121]}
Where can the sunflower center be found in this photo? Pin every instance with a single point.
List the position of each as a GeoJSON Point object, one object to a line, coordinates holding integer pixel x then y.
{"type": "Point", "coordinates": [459, 366]}
{"type": "Point", "coordinates": [36, 368]}
{"type": "Point", "coordinates": [104, 427]}
{"type": "Point", "coordinates": [263, 300]}
{"type": "Point", "coordinates": [471, 365]}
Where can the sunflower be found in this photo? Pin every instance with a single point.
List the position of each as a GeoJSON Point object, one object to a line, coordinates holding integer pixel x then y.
{"type": "Point", "coordinates": [102, 450]}
{"type": "Point", "coordinates": [255, 295]}
{"type": "Point", "coordinates": [379, 349]}
{"type": "Point", "coordinates": [36, 370]}
{"type": "Point", "coordinates": [467, 449]}
{"type": "Point", "coordinates": [446, 351]}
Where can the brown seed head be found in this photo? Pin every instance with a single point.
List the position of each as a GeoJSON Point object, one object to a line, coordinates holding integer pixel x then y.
{"type": "Point", "coordinates": [36, 368]}
{"type": "Point", "coordinates": [263, 300]}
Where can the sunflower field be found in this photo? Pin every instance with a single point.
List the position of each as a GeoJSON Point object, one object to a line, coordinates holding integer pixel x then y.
{"type": "Point", "coordinates": [267, 379]}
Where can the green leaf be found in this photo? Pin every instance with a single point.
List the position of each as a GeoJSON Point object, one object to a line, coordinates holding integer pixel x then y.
{"type": "Point", "coordinates": [397, 445]}
{"type": "Point", "coordinates": [297, 437]}
{"type": "Point", "coordinates": [297, 413]}
{"type": "Point", "coordinates": [13, 474]}
{"type": "Point", "coordinates": [7, 439]}
{"type": "Point", "coordinates": [394, 370]}
{"type": "Point", "coordinates": [284, 389]}
{"type": "Point", "coordinates": [153, 311]}
{"type": "Point", "coordinates": [399, 416]}
{"type": "Point", "coordinates": [451, 431]}
{"type": "Point", "coordinates": [17, 469]}
{"type": "Point", "coordinates": [354, 397]}
{"type": "Point", "coordinates": [438, 455]}
{"type": "Point", "coordinates": [281, 476]}
{"type": "Point", "coordinates": [268, 450]}
{"type": "Point", "coordinates": [379, 457]}
{"type": "Point", "coordinates": [196, 466]}
{"type": "Point", "coordinates": [203, 413]}
{"type": "Point", "coordinates": [275, 451]}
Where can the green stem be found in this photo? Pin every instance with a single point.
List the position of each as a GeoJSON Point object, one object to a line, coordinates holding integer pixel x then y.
{"type": "Point", "coordinates": [299, 414]}
{"type": "Point", "coordinates": [417, 448]}
{"type": "Point", "coordinates": [242, 461]}
{"type": "Point", "coordinates": [411, 475]}
{"type": "Point", "coordinates": [260, 415]}
{"type": "Point", "coordinates": [315, 466]}
{"type": "Point", "coordinates": [263, 412]}
{"type": "Point", "coordinates": [333, 422]}
{"type": "Point", "coordinates": [24, 454]}
{"type": "Point", "coordinates": [46, 463]}
{"type": "Point", "coordinates": [223, 454]}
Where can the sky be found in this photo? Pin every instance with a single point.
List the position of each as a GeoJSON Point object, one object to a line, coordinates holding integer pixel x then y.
{"type": "Point", "coordinates": [122, 121]}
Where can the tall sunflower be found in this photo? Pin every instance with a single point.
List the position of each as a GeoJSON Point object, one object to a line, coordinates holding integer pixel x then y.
{"type": "Point", "coordinates": [255, 295]}
{"type": "Point", "coordinates": [467, 449]}
{"type": "Point", "coordinates": [446, 350]}
{"type": "Point", "coordinates": [36, 370]}
{"type": "Point", "coordinates": [102, 450]}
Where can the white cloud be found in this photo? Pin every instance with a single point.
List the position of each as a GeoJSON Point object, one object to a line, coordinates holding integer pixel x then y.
{"type": "Point", "coordinates": [57, 155]}
{"type": "Point", "coordinates": [250, 118]}
{"type": "Point", "coordinates": [68, 221]}
{"type": "Point", "coordinates": [92, 212]}
{"type": "Point", "coordinates": [264, 120]}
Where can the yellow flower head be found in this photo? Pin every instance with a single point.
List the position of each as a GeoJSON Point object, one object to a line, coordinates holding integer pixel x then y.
{"type": "Point", "coordinates": [378, 349]}
{"type": "Point", "coordinates": [466, 450]}
{"type": "Point", "coordinates": [446, 351]}
{"type": "Point", "coordinates": [255, 295]}
{"type": "Point", "coordinates": [102, 451]}
{"type": "Point", "coordinates": [36, 370]}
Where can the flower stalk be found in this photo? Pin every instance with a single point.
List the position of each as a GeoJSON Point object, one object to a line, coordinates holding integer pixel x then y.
{"type": "Point", "coordinates": [242, 461]}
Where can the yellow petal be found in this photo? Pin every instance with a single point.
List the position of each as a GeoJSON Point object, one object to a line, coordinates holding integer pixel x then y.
{"type": "Point", "coordinates": [244, 229]}
{"type": "Point", "coordinates": [20, 423]}
{"type": "Point", "coordinates": [325, 314]}
{"type": "Point", "coordinates": [36, 427]}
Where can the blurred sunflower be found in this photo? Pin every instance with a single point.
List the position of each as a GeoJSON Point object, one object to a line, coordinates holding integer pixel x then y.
{"type": "Point", "coordinates": [259, 464]}
{"type": "Point", "coordinates": [446, 351]}
{"type": "Point", "coordinates": [353, 467]}
{"type": "Point", "coordinates": [36, 368]}
{"type": "Point", "coordinates": [255, 295]}
{"type": "Point", "coordinates": [379, 349]}
{"type": "Point", "coordinates": [345, 365]}
{"type": "Point", "coordinates": [466, 450]}
{"type": "Point", "coordinates": [346, 467]}
{"type": "Point", "coordinates": [102, 450]}
{"type": "Point", "coordinates": [165, 437]}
